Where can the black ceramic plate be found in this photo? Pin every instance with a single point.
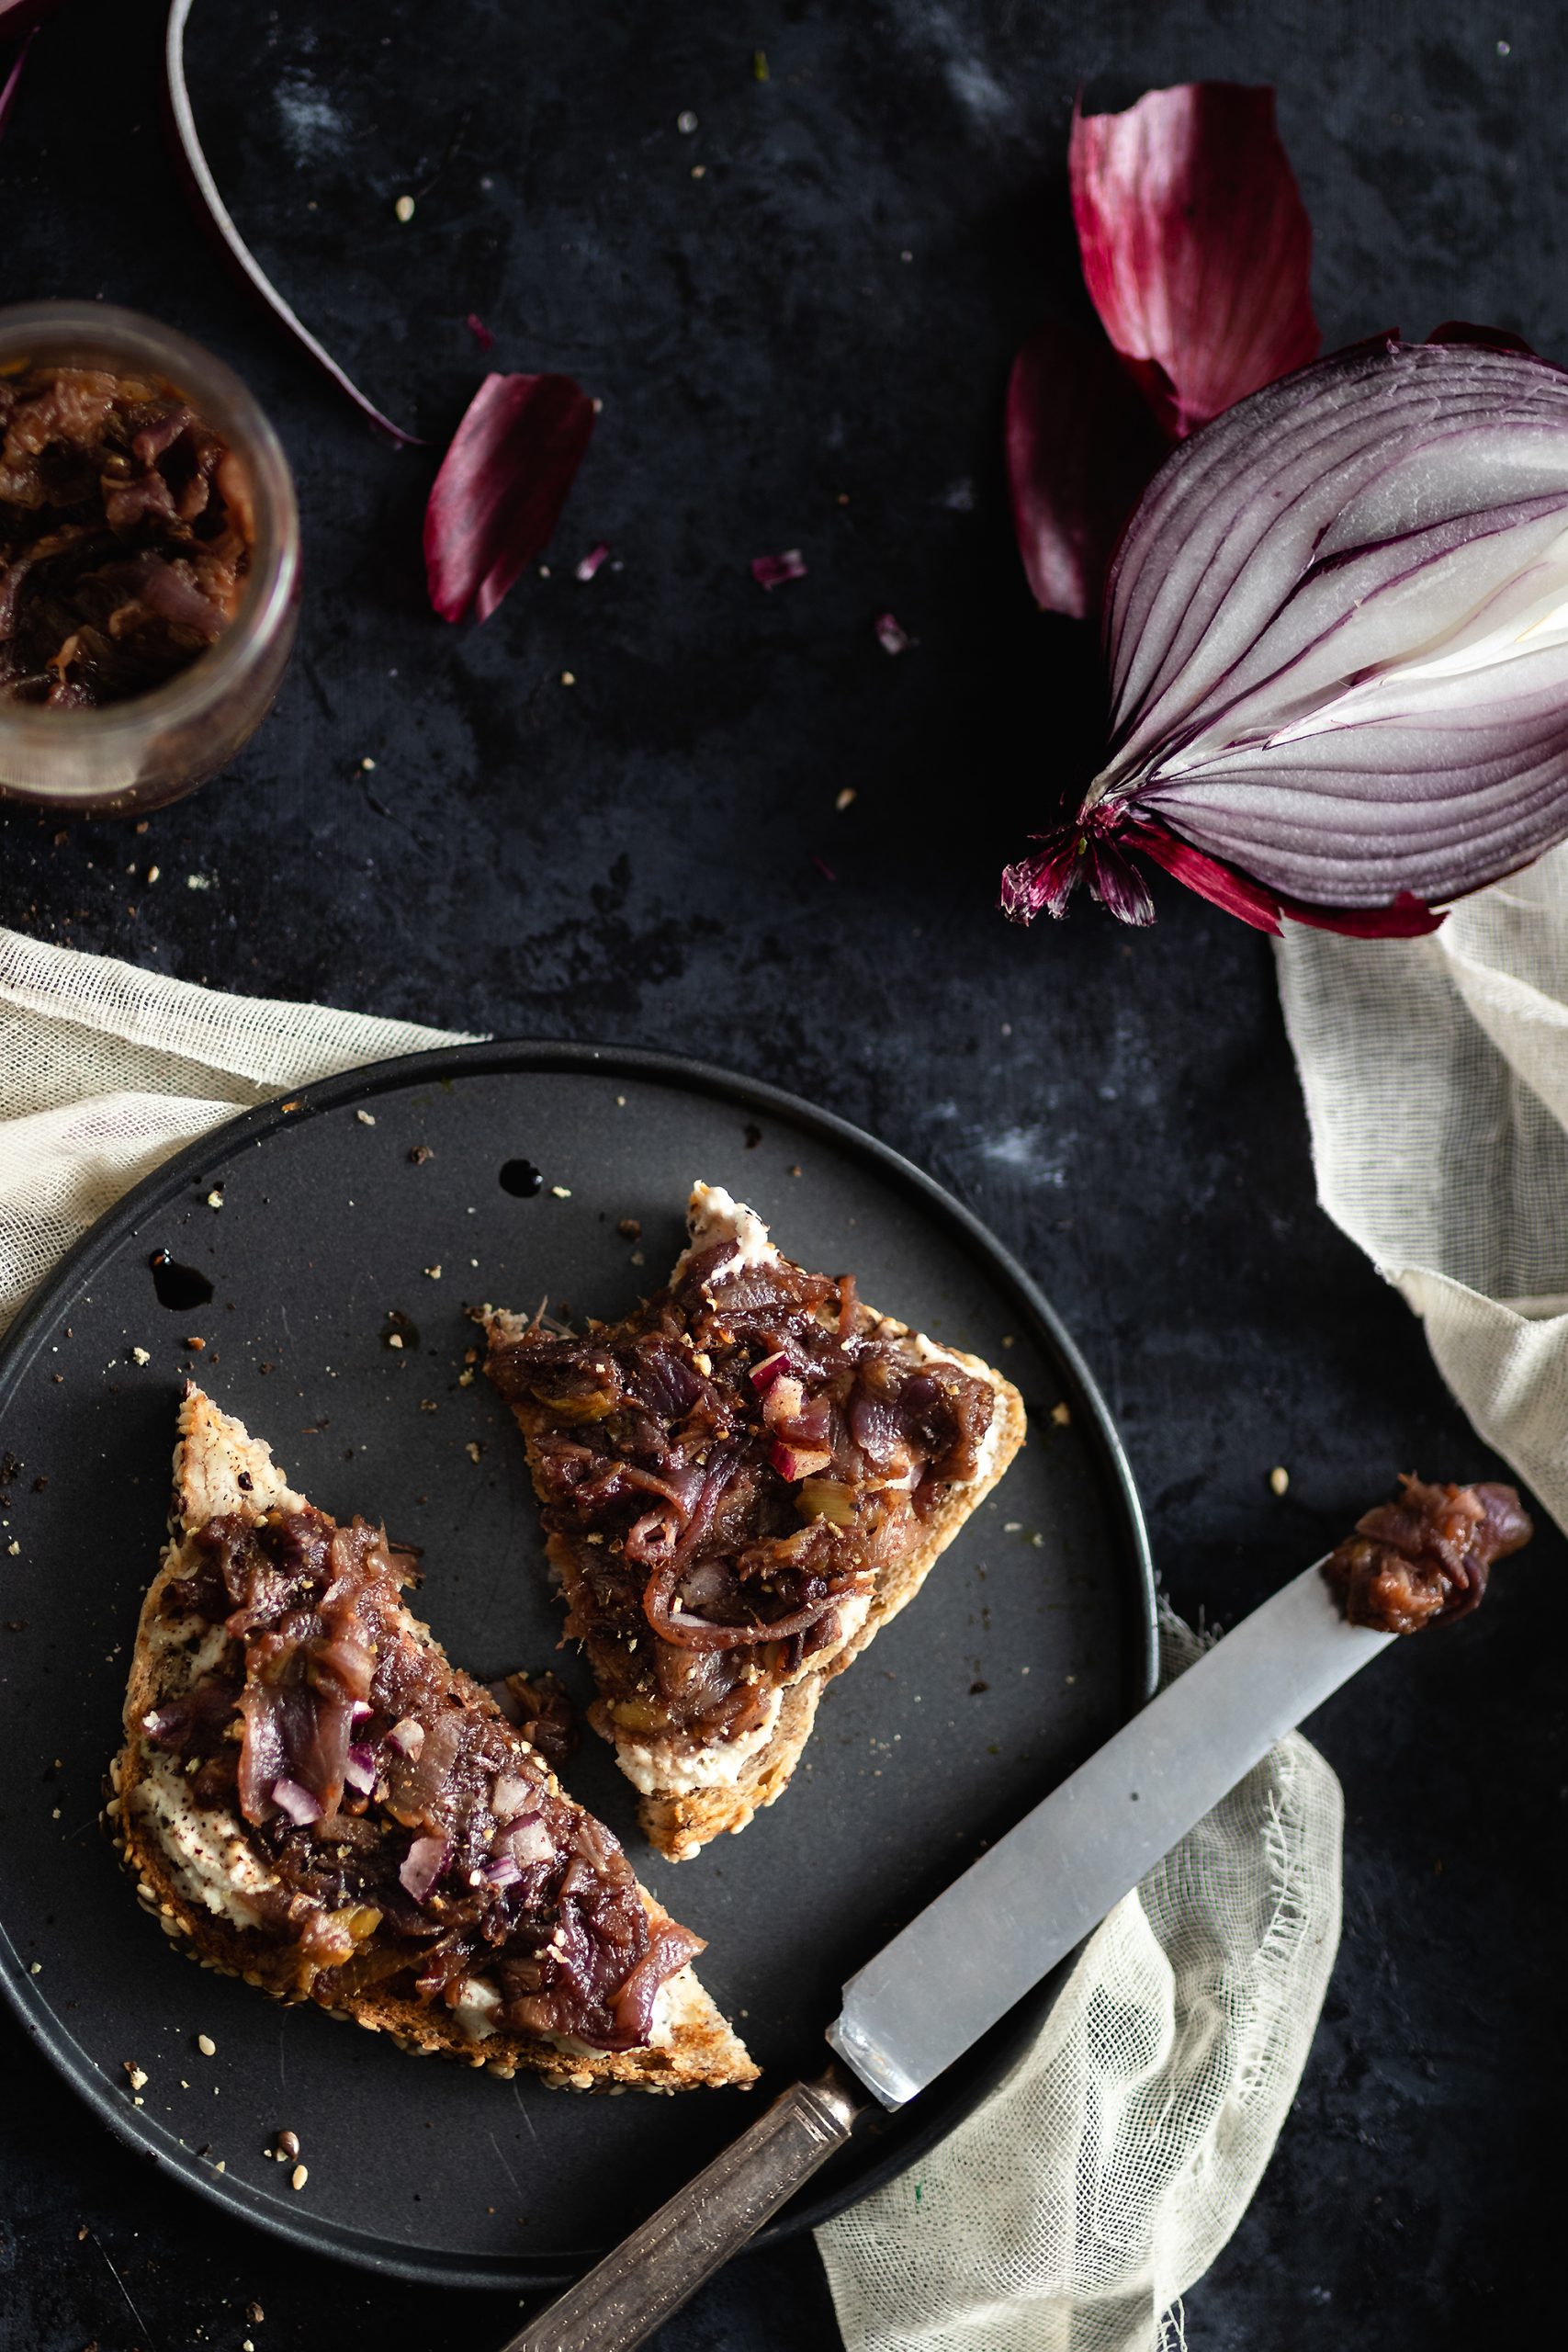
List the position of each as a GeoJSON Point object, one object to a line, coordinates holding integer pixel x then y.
{"type": "Point", "coordinates": [1031, 1643]}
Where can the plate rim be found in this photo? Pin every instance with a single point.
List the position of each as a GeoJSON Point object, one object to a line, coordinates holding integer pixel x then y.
{"type": "Point", "coordinates": [1012, 2035]}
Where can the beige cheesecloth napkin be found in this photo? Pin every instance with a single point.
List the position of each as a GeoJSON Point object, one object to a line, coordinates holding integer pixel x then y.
{"type": "Point", "coordinates": [1102, 2178]}
{"type": "Point", "coordinates": [1436, 1076]}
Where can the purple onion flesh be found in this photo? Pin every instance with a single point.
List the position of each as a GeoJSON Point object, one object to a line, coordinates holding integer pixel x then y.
{"type": "Point", "coordinates": [423, 1865]}
{"type": "Point", "coordinates": [296, 1802]}
{"type": "Point", "coordinates": [1337, 634]}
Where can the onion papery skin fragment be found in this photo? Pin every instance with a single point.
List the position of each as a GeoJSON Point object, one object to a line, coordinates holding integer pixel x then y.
{"type": "Point", "coordinates": [1196, 246]}
{"type": "Point", "coordinates": [501, 486]}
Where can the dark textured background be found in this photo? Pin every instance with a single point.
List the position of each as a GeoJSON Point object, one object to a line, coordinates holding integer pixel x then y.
{"type": "Point", "coordinates": [632, 859]}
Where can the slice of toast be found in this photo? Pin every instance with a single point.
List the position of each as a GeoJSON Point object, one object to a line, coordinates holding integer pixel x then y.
{"type": "Point", "coordinates": [698, 1777]}
{"type": "Point", "coordinates": [210, 1878]}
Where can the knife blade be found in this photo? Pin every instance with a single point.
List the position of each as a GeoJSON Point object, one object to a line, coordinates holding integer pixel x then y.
{"type": "Point", "coordinates": [963, 1962]}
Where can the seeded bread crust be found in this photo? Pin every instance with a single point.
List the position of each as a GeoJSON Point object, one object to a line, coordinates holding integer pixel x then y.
{"type": "Point", "coordinates": [697, 2048]}
{"type": "Point", "coordinates": [678, 1824]}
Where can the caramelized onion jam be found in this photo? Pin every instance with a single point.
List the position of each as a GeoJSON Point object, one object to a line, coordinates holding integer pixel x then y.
{"type": "Point", "coordinates": [412, 1837]}
{"type": "Point", "coordinates": [1425, 1557]}
{"type": "Point", "coordinates": [125, 536]}
{"type": "Point", "coordinates": [733, 1466]}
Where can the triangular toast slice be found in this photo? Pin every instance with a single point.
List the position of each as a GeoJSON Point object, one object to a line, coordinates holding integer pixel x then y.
{"type": "Point", "coordinates": [742, 1483]}
{"type": "Point", "coordinates": [313, 1798]}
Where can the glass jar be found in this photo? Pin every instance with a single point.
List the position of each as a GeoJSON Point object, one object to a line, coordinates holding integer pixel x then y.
{"type": "Point", "coordinates": [154, 747]}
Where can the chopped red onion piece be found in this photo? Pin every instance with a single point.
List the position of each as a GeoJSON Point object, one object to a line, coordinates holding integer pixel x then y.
{"type": "Point", "coordinates": [501, 489]}
{"type": "Point", "coordinates": [501, 1871]}
{"type": "Point", "coordinates": [296, 1802]}
{"type": "Point", "coordinates": [359, 1772]}
{"type": "Point", "coordinates": [591, 561]}
{"type": "Point", "coordinates": [511, 1796]}
{"type": "Point", "coordinates": [423, 1865]}
{"type": "Point", "coordinates": [773, 571]}
{"type": "Point", "coordinates": [762, 1376]}
{"type": "Point", "coordinates": [1197, 250]}
{"type": "Point", "coordinates": [480, 331]}
{"type": "Point", "coordinates": [792, 1462]}
{"type": "Point", "coordinates": [527, 1841]}
{"type": "Point", "coordinates": [1338, 628]}
{"type": "Point", "coordinates": [889, 636]}
{"type": "Point", "coordinates": [203, 191]}
{"type": "Point", "coordinates": [408, 1737]}
{"type": "Point", "coordinates": [358, 1711]}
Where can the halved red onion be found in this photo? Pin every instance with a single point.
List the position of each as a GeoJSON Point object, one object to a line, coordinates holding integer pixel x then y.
{"type": "Point", "coordinates": [1197, 250]}
{"type": "Point", "coordinates": [359, 1770]}
{"type": "Point", "coordinates": [296, 1802]}
{"type": "Point", "coordinates": [408, 1737]}
{"type": "Point", "coordinates": [423, 1865]}
{"type": "Point", "coordinates": [215, 215]}
{"type": "Point", "coordinates": [501, 489]}
{"type": "Point", "coordinates": [1338, 630]}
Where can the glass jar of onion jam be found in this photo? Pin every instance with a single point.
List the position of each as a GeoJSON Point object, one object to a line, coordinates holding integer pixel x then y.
{"type": "Point", "coordinates": [148, 559]}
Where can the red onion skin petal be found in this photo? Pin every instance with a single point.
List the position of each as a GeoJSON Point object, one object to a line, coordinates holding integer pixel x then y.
{"type": "Point", "coordinates": [1082, 446]}
{"type": "Point", "coordinates": [11, 72]}
{"type": "Point", "coordinates": [21, 17]}
{"type": "Point", "coordinates": [1489, 338]}
{"type": "Point", "coordinates": [1196, 246]}
{"type": "Point", "coordinates": [501, 486]}
{"type": "Point", "coordinates": [202, 189]}
{"type": "Point", "coordinates": [1252, 902]}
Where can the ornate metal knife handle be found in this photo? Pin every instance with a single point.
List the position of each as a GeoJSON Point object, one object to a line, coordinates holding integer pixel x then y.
{"type": "Point", "coordinates": [653, 2273]}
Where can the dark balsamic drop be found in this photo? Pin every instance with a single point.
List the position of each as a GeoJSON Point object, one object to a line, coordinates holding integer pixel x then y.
{"type": "Point", "coordinates": [754, 1135]}
{"type": "Point", "coordinates": [178, 1287]}
{"type": "Point", "coordinates": [521, 1179]}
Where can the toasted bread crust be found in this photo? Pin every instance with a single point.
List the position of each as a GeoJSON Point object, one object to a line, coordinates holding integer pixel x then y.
{"type": "Point", "coordinates": [680, 1823]}
{"type": "Point", "coordinates": [698, 2048]}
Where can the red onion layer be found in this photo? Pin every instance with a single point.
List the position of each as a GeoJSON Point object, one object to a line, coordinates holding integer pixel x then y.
{"type": "Point", "coordinates": [501, 486]}
{"type": "Point", "coordinates": [1197, 250]}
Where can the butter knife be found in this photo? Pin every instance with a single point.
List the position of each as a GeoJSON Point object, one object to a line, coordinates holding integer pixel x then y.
{"type": "Point", "coordinates": [963, 1960]}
